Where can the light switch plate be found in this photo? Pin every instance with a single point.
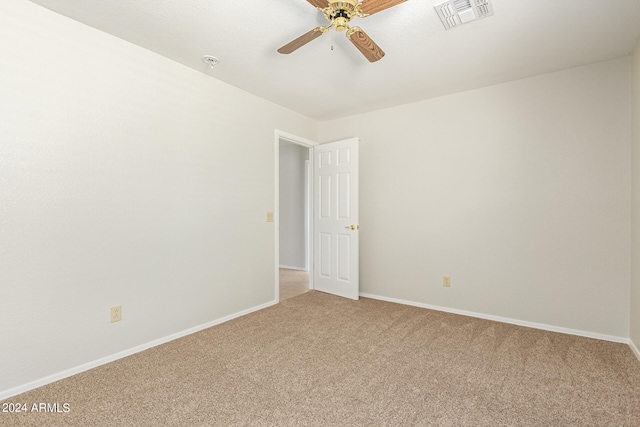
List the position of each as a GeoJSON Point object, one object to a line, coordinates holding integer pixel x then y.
{"type": "Point", "coordinates": [446, 281]}
{"type": "Point", "coordinates": [116, 313]}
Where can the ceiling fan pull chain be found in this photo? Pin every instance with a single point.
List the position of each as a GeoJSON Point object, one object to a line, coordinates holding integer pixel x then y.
{"type": "Point", "coordinates": [331, 41]}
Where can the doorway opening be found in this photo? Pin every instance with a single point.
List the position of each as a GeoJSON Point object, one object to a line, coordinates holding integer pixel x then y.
{"type": "Point", "coordinates": [293, 207]}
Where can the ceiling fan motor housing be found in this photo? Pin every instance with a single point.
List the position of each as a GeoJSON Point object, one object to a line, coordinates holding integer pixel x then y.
{"type": "Point", "coordinates": [340, 13]}
{"type": "Point", "coordinates": [347, 5]}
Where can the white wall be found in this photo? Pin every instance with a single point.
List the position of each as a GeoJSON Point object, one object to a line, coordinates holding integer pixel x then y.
{"type": "Point", "coordinates": [520, 192]}
{"type": "Point", "coordinates": [292, 205]}
{"type": "Point", "coordinates": [125, 178]}
{"type": "Point", "coordinates": [635, 253]}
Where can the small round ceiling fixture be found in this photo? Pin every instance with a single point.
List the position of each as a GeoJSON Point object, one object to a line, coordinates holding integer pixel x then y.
{"type": "Point", "coordinates": [210, 60]}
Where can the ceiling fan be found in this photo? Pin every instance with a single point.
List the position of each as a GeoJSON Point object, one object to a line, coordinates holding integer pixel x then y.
{"type": "Point", "coordinates": [339, 14]}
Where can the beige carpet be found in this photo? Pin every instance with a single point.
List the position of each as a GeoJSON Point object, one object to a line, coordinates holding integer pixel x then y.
{"type": "Point", "coordinates": [320, 360]}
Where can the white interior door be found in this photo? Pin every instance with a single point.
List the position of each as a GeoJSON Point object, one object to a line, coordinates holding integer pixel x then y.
{"type": "Point", "coordinates": [335, 218]}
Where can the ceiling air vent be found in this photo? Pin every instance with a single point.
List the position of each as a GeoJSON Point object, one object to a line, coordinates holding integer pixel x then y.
{"type": "Point", "coordinates": [457, 12]}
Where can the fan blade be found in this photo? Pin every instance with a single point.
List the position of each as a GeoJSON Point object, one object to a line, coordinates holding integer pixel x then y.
{"type": "Point", "coordinates": [370, 7]}
{"type": "Point", "coordinates": [321, 4]}
{"type": "Point", "coordinates": [302, 40]}
{"type": "Point", "coordinates": [365, 45]}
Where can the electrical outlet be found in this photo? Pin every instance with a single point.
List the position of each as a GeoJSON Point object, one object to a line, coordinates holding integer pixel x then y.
{"type": "Point", "coordinates": [446, 281]}
{"type": "Point", "coordinates": [116, 313]}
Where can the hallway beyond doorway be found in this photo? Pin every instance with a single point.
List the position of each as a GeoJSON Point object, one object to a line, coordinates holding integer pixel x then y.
{"type": "Point", "coordinates": [293, 283]}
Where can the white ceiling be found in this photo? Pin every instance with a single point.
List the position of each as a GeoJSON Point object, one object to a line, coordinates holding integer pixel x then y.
{"type": "Point", "coordinates": [523, 38]}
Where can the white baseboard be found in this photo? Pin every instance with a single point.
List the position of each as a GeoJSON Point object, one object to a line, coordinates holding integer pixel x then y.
{"type": "Point", "coordinates": [289, 267]}
{"type": "Point", "coordinates": [107, 359]}
{"type": "Point", "coordinates": [534, 325]}
{"type": "Point", "coordinates": [634, 349]}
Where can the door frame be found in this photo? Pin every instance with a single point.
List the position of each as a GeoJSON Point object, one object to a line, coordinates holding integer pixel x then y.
{"type": "Point", "coordinates": [285, 136]}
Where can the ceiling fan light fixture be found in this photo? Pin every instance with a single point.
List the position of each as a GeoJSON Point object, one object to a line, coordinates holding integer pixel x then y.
{"type": "Point", "coordinates": [341, 24]}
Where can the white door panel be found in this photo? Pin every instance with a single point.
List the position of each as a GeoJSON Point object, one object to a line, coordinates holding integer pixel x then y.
{"type": "Point", "coordinates": [336, 254]}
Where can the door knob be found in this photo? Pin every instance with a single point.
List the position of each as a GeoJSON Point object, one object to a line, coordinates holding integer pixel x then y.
{"type": "Point", "coordinates": [352, 227]}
